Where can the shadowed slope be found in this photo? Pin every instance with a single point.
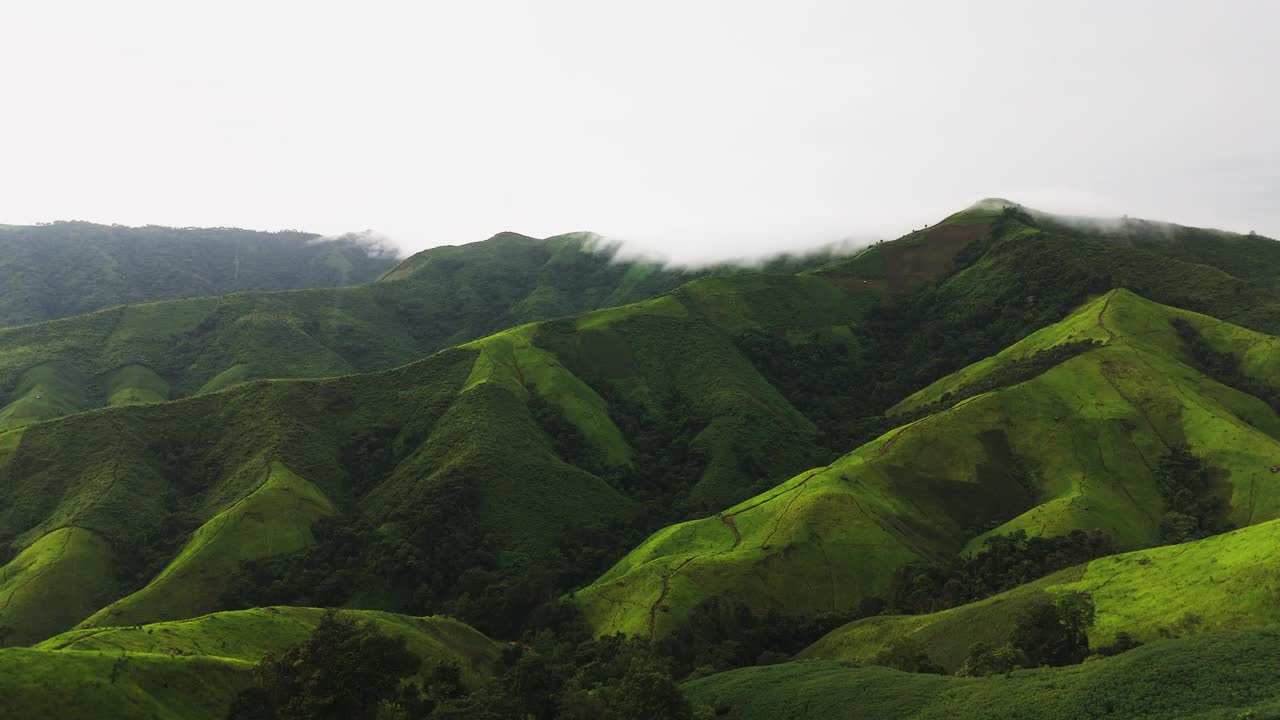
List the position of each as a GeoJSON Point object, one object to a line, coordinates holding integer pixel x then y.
{"type": "Point", "coordinates": [1090, 428]}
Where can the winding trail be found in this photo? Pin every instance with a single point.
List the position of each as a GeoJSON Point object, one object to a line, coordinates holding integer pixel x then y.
{"type": "Point", "coordinates": [737, 535]}
{"type": "Point", "coordinates": [666, 588]}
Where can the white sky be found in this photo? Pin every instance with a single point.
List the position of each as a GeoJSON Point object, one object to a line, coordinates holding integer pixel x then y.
{"type": "Point", "coordinates": [696, 129]}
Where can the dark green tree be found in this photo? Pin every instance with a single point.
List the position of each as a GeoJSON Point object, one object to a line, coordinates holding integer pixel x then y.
{"type": "Point", "coordinates": [647, 692]}
{"type": "Point", "coordinates": [345, 670]}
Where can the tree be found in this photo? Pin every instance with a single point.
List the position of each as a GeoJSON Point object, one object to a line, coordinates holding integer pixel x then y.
{"type": "Point", "coordinates": [346, 669]}
{"type": "Point", "coordinates": [986, 658]}
{"type": "Point", "coordinates": [1076, 613]}
{"type": "Point", "coordinates": [6, 631]}
{"type": "Point", "coordinates": [647, 692]}
{"type": "Point", "coordinates": [908, 655]}
{"type": "Point", "coordinates": [1055, 633]}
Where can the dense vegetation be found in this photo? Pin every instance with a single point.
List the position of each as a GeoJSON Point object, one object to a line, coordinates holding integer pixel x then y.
{"type": "Point", "coordinates": [69, 268]}
{"type": "Point", "coordinates": [345, 669]}
{"type": "Point", "coordinates": [1005, 562]}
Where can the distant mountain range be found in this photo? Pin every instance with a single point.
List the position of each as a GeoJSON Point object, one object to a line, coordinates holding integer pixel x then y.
{"type": "Point", "coordinates": [70, 268]}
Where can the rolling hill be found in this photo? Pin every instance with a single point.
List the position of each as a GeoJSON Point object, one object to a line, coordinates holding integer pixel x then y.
{"type": "Point", "coordinates": [462, 442]}
{"type": "Point", "coordinates": [70, 268]}
{"type": "Point", "coordinates": [440, 297]}
{"type": "Point", "coordinates": [790, 441]}
{"type": "Point", "coordinates": [1221, 583]}
{"type": "Point", "coordinates": [1073, 446]}
{"type": "Point", "coordinates": [194, 668]}
{"type": "Point", "coordinates": [577, 435]}
{"type": "Point", "coordinates": [1219, 677]}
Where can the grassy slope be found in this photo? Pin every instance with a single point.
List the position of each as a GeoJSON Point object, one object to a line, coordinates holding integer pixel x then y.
{"type": "Point", "coordinates": [274, 519]}
{"type": "Point", "coordinates": [54, 582]}
{"type": "Point", "coordinates": [1093, 425]}
{"type": "Point", "coordinates": [70, 268]}
{"type": "Point", "coordinates": [1214, 677]}
{"type": "Point", "coordinates": [438, 298]}
{"type": "Point", "coordinates": [1225, 582]}
{"type": "Point", "coordinates": [457, 417]}
{"type": "Point", "coordinates": [193, 668]}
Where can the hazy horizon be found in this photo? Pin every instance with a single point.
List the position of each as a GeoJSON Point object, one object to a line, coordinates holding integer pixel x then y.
{"type": "Point", "coordinates": [688, 132]}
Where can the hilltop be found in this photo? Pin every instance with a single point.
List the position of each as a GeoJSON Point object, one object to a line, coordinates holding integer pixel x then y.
{"type": "Point", "coordinates": [62, 269]}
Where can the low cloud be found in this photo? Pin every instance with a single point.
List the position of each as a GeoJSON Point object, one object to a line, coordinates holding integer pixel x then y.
{"type": "Point", "coordinates": [374, 244]}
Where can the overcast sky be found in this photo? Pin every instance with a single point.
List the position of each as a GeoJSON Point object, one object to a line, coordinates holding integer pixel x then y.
{"type": "Point", "coordinates": [697, 129]}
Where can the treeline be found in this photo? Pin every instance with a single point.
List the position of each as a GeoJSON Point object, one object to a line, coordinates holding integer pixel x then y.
{"type": "Point", "coordinates": [1004, 563]}
{"type": "Point", "coordinates": [1018, 371]}
{"type": "Point", "coordinates": [423, 559]}
{"type": "Point", "coordinates": [1223, 366]}
{"type": "Point", "coordinates": [1192, 510]}
{"type": "Point", "coordinates": [1052, 632]}
{"type": "Point", "coordinates": [349, 669]}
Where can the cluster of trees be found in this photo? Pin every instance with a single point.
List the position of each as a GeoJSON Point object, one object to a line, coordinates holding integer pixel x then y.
{"type": "Point", "coordinates": [1018, 371]}
{"type": "Point", "coordinates": [1223, 366]}
{"type": "Point", "coordinates": [345, 669]}
{"type": "Point", "coordinates": [1005, 562]}
{"type": "Point", "coordinates": [1192, 510]}
{"type": "Point", "coordinates": [721, 635]}
{"type": "Point", "coordinates": [187, 473]}
{"type": "Point", "coordinates": [820, 377]}
{"type": "Point", "coordinates": [349, 670]}
{"type": "Point", "coordinates": [426, 558]}
{"type": "Point", "coordinates": [1050, 633]}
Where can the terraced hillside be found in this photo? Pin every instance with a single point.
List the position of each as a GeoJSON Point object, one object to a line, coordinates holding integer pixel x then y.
{"type": "Point", "coordinates": [194, 668]}
{"type": "Point", "coordinates": [70, 268]}
{"type": "Point", "coordinates": [1045, 447]}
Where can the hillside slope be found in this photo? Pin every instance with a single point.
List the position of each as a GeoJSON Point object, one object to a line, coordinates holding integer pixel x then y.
{"type": "Point", "coordinates": [1214, 677]}
{"type": "Point", "coordinates": [480, 462]}
{"type": "Point", "coordinates": [530, 460]}
{"type": "Point", "coordinates": [1221, 583]}
{"type": "Point", "coordinates": [437, 298]}
{"type": "Point", "coordinates": [194, 668]}
{"type": "Point", "coordinates": [1071, 446]}
{"type": "Point", "coordinates": [71, 268]}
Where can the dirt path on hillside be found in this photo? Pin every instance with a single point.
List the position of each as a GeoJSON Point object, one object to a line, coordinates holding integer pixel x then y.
{"type": "Point", "coordinates": [666, 589]}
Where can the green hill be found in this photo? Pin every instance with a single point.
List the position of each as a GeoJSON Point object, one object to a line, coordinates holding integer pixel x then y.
{"type": "Point", "coordinates": [1072, 446]}
{"type": "Point", "coordinates": [435, 299]}
{"type": "Point", "coordinates": [1222, 583]}
{"type": "Point", "coordinates": [527, 462]}
{"type": "Point", "coordinates": [1220, 677]}
{"type": "Point", "coordinates": [464, 461]}
{"type": "Point", "coordinates": [70, 268]}
{"type": "Point", "coordinates": [194, 668]}
{"type": "Point", "coordinates": [980, 377]}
